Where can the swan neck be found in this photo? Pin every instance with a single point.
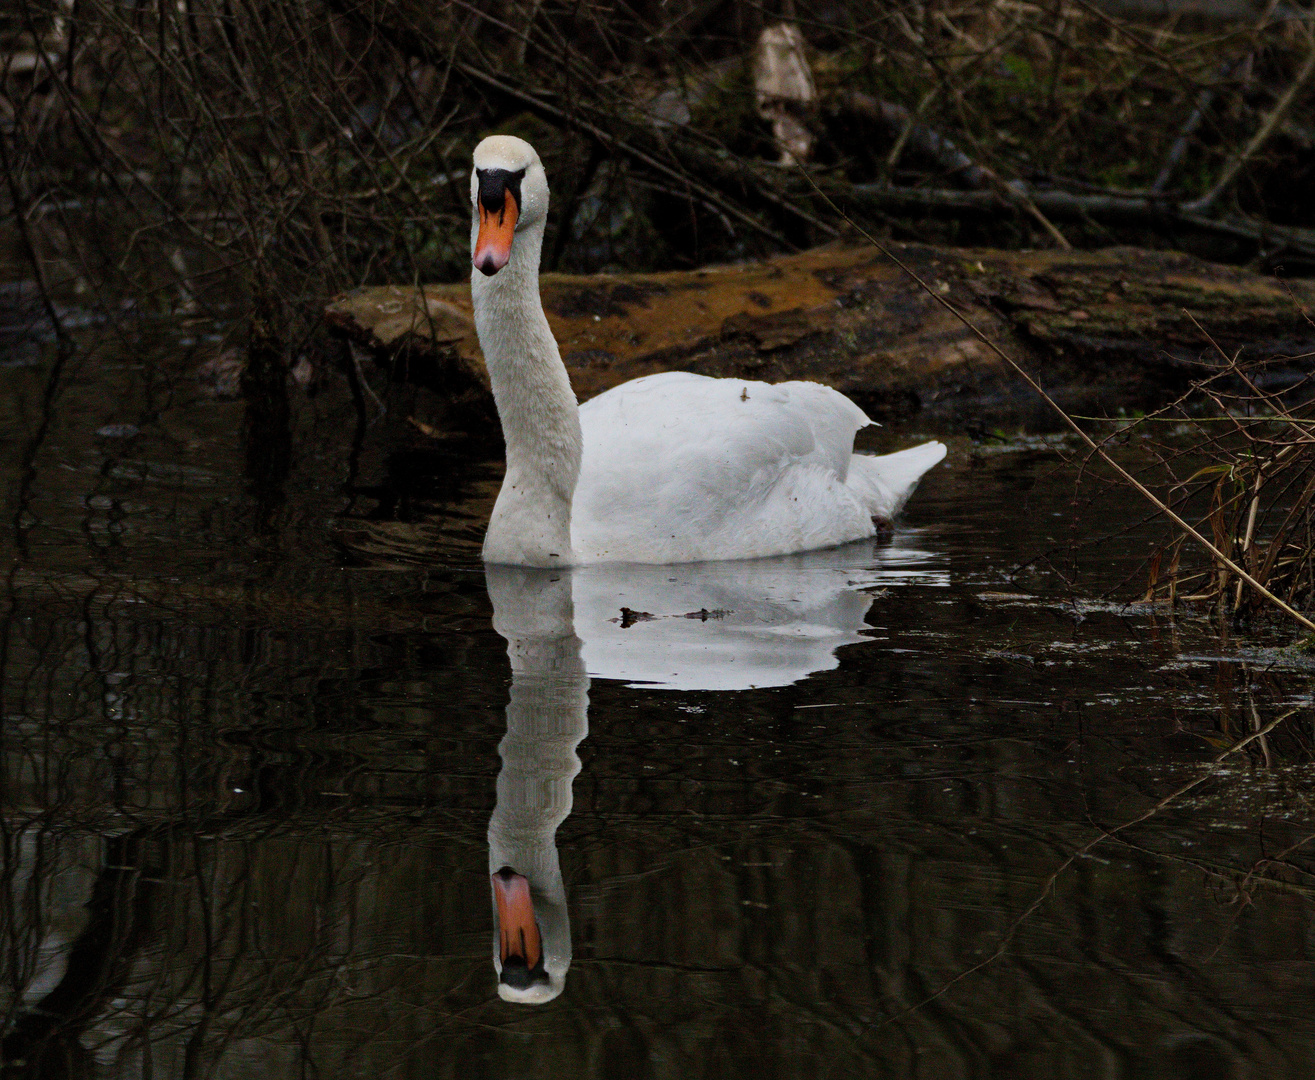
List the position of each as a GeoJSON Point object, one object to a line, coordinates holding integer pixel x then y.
{"type": "Point", "coordinates": [531, 521]}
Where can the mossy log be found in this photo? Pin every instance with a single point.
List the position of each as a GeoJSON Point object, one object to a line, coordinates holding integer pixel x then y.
{"type": "Point", "coordinates": [1102, 330]}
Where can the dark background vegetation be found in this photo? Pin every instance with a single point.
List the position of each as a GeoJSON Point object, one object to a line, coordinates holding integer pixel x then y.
{"type": "Point", "coordinates": [182, 155]}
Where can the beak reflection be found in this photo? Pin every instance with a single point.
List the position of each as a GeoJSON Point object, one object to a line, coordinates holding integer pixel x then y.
{"type": "Point", "coordinates": [520, 947]}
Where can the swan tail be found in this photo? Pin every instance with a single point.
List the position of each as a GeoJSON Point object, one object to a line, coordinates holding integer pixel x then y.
{"type": "Point", "coordinates": [884, 483]}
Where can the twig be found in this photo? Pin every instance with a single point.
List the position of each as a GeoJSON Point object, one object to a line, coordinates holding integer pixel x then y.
{"type": "Point", "coordinates": [1017, 192]}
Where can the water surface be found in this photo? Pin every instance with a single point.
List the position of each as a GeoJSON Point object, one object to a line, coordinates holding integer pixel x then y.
{"type": "Point", "coordinates": [889, 810]}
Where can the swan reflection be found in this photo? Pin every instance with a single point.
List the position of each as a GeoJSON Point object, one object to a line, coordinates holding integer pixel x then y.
{"type": "Point", "coordinates": [547, 716]}
{"type": "Point", "coordinates": [736, 625]}
{"type": "Point", "coordinates": [704, 626]}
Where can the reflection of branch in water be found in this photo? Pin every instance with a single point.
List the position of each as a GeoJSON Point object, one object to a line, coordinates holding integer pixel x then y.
{"type": "Point", "coordinates": [1239, 880]}
{"type": "Point", "coordinates": [1105, 834]}
{"type": "Point", "coordinates": [46, 1037]}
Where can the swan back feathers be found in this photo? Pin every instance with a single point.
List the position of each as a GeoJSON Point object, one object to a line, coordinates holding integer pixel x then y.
{"type": "Point", "coordinates": [684, 468]}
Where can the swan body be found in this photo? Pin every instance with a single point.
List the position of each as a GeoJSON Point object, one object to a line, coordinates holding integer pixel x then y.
{"type": "Point", "coordinates": [669, 468]}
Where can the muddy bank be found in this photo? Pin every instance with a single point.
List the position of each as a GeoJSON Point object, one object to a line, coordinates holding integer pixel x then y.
{"type": "Point", "coordinates": [1103, 330]}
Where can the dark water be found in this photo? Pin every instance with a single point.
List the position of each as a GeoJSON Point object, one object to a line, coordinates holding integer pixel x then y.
{"type": "Point", "coordinates": [257, 745]}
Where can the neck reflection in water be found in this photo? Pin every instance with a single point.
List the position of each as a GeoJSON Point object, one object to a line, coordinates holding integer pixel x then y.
{"type": "Point", "coordinates": [700, 626]}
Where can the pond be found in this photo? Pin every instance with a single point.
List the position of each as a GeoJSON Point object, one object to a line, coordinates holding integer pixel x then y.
{"type": "Point", "coordinates": [916, 807]}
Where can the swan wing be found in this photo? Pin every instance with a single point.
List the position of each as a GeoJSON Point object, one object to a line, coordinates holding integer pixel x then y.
{"type": "Point", "coordinates": [680, 467]}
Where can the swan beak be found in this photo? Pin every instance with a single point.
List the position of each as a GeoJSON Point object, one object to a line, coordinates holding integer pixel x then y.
{"type": "Point", "coordinates": [497, 229]}
{"type": "Point", "coordinates": [520, 948]}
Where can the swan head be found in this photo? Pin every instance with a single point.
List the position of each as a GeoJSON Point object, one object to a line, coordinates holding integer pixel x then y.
{"type": "Point", "coordinates": [508, 194]}
{"type": "Point", "coordinates": [532, 948]}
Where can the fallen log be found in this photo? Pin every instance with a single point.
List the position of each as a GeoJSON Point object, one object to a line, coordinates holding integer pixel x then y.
{"type": "Point", "coordinates": [1102, 330]}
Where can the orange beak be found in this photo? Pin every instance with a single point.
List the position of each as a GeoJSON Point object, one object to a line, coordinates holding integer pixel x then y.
{"type": "Point", "coordinates": [496, 232]}
{"type": "Point", "coordinates": [519, 946]}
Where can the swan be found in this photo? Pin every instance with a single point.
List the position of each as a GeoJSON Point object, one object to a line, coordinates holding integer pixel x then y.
{"type": "Point", "coordinates": [669, 468]}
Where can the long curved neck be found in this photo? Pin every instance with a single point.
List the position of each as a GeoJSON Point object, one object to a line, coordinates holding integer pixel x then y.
{"type": "Point", "coordinates": [531, 523]}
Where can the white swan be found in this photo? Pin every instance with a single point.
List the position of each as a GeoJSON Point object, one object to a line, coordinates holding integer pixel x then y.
{"type": "Point", "coordinates": [665, 469]}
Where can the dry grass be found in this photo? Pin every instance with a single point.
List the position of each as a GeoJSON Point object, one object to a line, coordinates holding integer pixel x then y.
{"type": "Point", "coordinates": [1241, 466]}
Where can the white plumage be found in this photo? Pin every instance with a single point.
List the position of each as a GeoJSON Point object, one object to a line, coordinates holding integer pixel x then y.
{"type": "Point", "coordinates": [684, 468]}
